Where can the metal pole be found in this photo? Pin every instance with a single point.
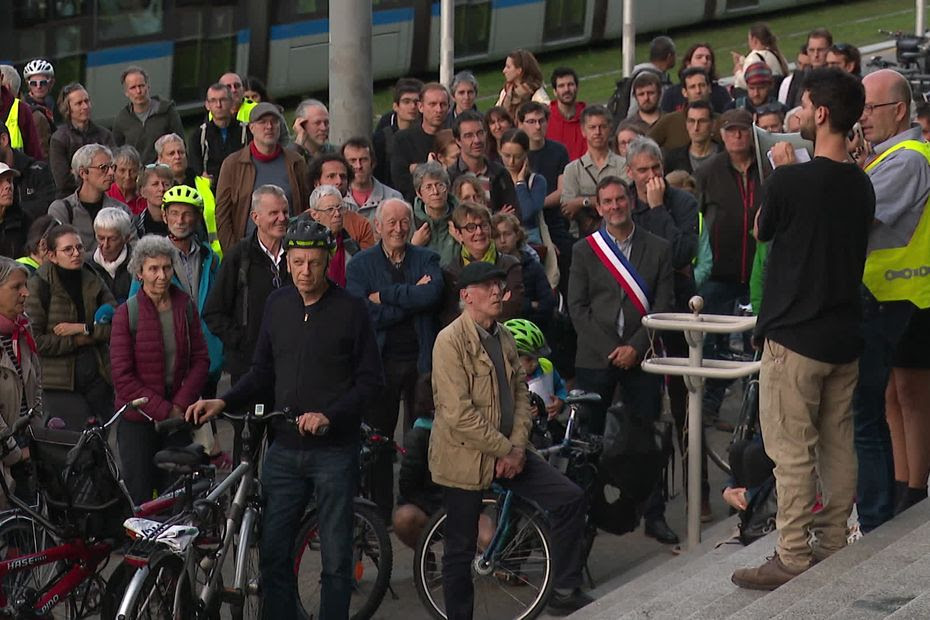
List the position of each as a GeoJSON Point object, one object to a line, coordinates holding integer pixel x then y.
{"type": "Point", "coordinates": [919, 21]}
{"type": "Point", "coordinates": [629, 38]}
{"type": "Point", "coordinates": [695, 434]}
{"type": "Point", "coordinates": [446, 41]}
{"type": "Point", "coordinates": [350, 75]}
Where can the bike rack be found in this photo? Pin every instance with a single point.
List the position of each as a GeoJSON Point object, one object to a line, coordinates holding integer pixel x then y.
{"type": "Point", "coordinates": [695, 369]}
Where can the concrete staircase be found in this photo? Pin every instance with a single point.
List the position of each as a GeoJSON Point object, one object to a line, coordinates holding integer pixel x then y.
{"type": "Point", "coordinates": [886, 574]}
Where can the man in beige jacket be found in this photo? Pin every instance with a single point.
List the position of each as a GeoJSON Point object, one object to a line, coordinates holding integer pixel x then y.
{"type": "Point", "coordinates": [480, 434]}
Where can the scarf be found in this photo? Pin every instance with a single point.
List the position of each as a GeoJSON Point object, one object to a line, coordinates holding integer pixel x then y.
{"type": "Point", "coordinates": [18, 328]}
{"type": "Point", "coordinates": [489, 257]}
{"type": "Point", "coordinates": [337, 264]}
{"type": "Point", "coordinates": [108, 266]}
{"type": "Point", "coordinates": [261, 156]}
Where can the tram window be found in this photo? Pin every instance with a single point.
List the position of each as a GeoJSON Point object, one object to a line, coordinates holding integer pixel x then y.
{"type": "Point", "coordinates": [31, 12]}
{"type": "Point", "coordinates": [303, 7]}
{"type": "Point", "coordinates": [564, 19]}
{"type": "Point", "coordinates": [472, 28]}
{"type": "Point", "coordinates": [121, 19]}
{"type": "Point", "coordinates": [733, 5]}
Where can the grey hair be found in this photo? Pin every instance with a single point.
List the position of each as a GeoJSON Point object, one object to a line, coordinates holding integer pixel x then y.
{"type": "Point", "coordinates": [111, 218]}
{"type": "Point", "coordinates": [127, 153]}
{"type": "Point", "coordinates": [151, 246]}
{"type": "Point", "coordinates": [381, 206]}
{"type": "Point", "coordinates": [306, 104]}
{"type": "Point", "coordinates": [11, 77]}
{"type": "Point", "coordinates": [432, 169]}
{"type": "Point", "coordinates": [790, 114]}
{"type": "Point", "coordinates": [83, 157]}
{"type": "Point", "coordinates": [165, 139]}
{"type": "Point", "coordinates": [464, 76]}
{"type": "Point", "coordinates": [8, 267]}
{"type": "Point", "coordinates": [641, 145]}
{"type": "Point", "coordinates": [266, 190]}
{"type": "Point", "coordinates": [320, 192]}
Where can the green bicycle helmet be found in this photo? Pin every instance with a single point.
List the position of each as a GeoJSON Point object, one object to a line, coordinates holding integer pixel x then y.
{"type": "Point", "coordinates": [307, 233]}
{"type": "Point", "coordinates": [529, 338]}
{"type": "Point", "coordinates": [183, 194]}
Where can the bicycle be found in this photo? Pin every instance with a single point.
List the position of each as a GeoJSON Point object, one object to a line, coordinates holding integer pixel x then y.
{"type": "Point", "coordinates": [513, 574]}
{"type": "Point", "coordinates": [747, 421]}
{"type": "Point", "coordinates": [51, 566]}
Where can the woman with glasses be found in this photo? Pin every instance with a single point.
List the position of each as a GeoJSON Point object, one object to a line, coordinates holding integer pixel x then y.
{"type": "Point", "coordinates": [70, 308]}
{"type": "Point", "coordinates": [472, 228]}
{"type": "Point", "coordinates": [432, 212]}
{"type": "Point", "coordinates": [76, 130]}
{"type": "Point", "coordinates": [164, 358]}
{"type": "Point", "coordinates": [154, 180]}
{"type": "Point", "coordinates": [125, 186]}
{"type": "Point", "coordinates": [326, 208]}
{"type": "Point", "coordinates": [93, 168]}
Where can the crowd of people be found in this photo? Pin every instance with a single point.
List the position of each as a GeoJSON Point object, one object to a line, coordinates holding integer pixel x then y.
{"type": "Point", "coordinates": [437, 261]}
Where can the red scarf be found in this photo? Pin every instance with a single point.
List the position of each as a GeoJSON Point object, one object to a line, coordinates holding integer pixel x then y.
{"type": "Point", "coordinates": [261, 156]}
{"type": "Point", "coordinates": [16, 329]}
{"type": "Point", "coordinates": [337, 264]}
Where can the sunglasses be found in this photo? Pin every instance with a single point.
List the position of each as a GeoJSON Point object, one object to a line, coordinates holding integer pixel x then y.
{"type": "Point", "coordinates": [38, 83]}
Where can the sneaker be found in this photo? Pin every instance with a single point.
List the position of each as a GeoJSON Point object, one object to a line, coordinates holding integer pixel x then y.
{"type": "Point", "coordinates": [564, 604]}
{"type": "Point", "coordinates": [768, 576]}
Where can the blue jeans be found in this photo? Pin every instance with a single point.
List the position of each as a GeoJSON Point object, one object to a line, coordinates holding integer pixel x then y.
{"type": "Point", "coordinates": [290, 478]}
{"type": "Point", "coordinates": [882, 327]}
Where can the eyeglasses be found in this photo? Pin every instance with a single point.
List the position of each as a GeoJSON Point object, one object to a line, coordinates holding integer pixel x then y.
{"type": "Point", "coordinates": [870, 107]}
{"type": "Point", "coordinates": [492, 284]}
{"type": "Point", "coordinates": [533, 121]}
{"type": "Point", "coordinates": [72, 249]}
{"type": "Point", "coordinates": [104, 167]}
{"type": "Point", "coordinates": [38, 83]}
{"type": "Point", "coordinates": [331, 210]}
{"type": "Point", "coordinates": [436, 188]}
{"type": "Point", "coordinates": [473, 227]}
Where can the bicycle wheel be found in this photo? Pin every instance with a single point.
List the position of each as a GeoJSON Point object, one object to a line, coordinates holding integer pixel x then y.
{"type": "Point", "coordinates": [156, 599]}
{"type": "Point", "coordinates": [518, 583]}
{"type": "Point", "coordinates": [21, 535]}
{"type": "Point", "coordinates": [247, 547]}
{"type": "Point", "coordinates": [372, 557]}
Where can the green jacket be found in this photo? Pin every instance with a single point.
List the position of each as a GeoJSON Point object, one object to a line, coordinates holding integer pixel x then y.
{"type": "Point", "coordinates": [757, 277]}
{"type": "Point", "coordinates": [441, 240]}
{"type": "Point", "coordinates": [704, 261]}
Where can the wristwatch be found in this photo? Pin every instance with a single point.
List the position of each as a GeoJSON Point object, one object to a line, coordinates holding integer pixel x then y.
{"type": "Point", "coordinates": [86, 330]}
{"type": "Point", "coordinates": [586, 203]}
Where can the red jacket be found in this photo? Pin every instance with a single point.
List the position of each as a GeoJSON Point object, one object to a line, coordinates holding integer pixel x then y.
{"type": "Point", "coordinates": [138, 364]}
{"type": "Point", "coordinates": [27, 127]}
{"type": "Point", "coordinates": [568, 132]}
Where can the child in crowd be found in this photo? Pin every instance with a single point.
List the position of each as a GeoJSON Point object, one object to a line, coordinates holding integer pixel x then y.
{"type": "Point", "coordinates": [541, 375]}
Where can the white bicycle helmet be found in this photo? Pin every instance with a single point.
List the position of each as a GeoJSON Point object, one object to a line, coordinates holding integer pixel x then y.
{"type": "Point", "coordinates": [39, 66]}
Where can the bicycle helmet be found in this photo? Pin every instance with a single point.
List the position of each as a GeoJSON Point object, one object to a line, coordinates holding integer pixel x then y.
{"type": "Point", "coordinates": [529, 338]}
{"type": "Point", "coordinates": [184, 194]}
{"type": "Point", "coordinates": [307, 233]}
{"type": "Point", "coordinates": [39, 66]}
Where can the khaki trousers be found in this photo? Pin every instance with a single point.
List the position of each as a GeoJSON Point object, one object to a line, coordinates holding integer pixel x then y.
{"type": "Point", "coordinates": [807, 425]}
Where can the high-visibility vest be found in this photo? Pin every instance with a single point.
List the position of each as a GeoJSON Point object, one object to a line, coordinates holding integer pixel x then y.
{"type": "Point", "coordinates": [244, 110]}
{"type": "Point", "coordinates": [202, 184]}
{"type": "Point", "coordinates": [28, 261]}
{"type": "Point", "coordinates": [899, 274]}
{"type": "Point", "coordinates": [12, 123]}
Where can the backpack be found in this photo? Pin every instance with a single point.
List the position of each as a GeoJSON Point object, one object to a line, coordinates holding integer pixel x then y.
{"type": "Point", "coordinates": [132, 307]}
{"type": "Point", "coordinates": [619, 103]}
{"type": "Point", "coordinates": [759, 517]}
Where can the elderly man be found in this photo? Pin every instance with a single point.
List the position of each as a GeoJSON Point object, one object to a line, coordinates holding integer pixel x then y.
{"type": "Point", "coordinates": [619, 274]}
{"type": "Point", "coordinates": [898, 243]}
{"type": "Point", "coordinates": [261, 162]}
{"type": "Point", "coordinates": [469, 133]}
{"type": "Point", "coordinates": [93, 168]}
{"type": "Point", "coordinates": [432, 212]}
{"type": "Point", "coordinates": [403, 286]}
{"type": "Point", "coordinates": [76, 130]}
{"type": "Point", "coordinates": [113, 230]}
{"type": "Point", "coordinates": [480, 434]}
{"type": "Point", "coordinates": [317, 351]}
{"type": "Point", "coordinates": [311, 130]}
{"type": "Point", "coordinates": [145, 118]}
{"type": "Point", "coordinates": [366, 192]}
{"type": "Point", "coordinates": [217, 137]}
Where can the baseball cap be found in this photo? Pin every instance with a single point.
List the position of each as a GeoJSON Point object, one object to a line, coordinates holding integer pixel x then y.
{"type": "Point", "coordinates": [757, 73]}
{"type": "Point", "coordinates": [4, 169]}
{"type": "Point", "coordinates": [736, 118]}
{"type": "Point", "coordinates": [478, 272]}
{"type": "Point", "coordinates": [263, 109]}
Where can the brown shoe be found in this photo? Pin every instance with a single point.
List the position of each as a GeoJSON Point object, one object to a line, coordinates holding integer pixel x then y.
{"type": "Point", "coordinates": [768, 576]}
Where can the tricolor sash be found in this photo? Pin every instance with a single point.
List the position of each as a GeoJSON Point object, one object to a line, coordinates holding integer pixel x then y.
{"type": "Point", "coordinates": [621, 269]}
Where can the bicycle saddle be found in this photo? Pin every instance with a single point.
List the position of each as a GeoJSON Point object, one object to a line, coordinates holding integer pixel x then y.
{"type": "Point", "coordinates": [580, 396]}
{"type": "Point", "coordinates": [184, 460]}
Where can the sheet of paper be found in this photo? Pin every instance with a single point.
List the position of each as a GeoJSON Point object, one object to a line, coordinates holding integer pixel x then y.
{"type": "Point", "coordinates": [801, 155]}
{"type": "Point", "coordinates": [542, 386]}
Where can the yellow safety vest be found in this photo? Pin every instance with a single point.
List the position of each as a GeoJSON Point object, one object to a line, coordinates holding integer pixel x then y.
{"type": "Point", "coordinates": [202, 185]}
{"type": "Point", "coordinates": [244, 110]}
{"type": "Point", "coordinates": [12, 123]}
{"type": "Point", "coordinates": [898, 274]}
{"type": "Point", "coordinates": [28, 260]}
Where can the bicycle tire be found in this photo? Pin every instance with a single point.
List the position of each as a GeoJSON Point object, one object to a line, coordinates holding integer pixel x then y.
{"type": "Point", "coordinates": [22, 535]}
{"type": "Point", "coordinates": [158, 595]}
{"type": "Point", "coordinates": [427, 568]}
{"type": "Point", "coordinates": [251, 608]}
{"type": "Point", "coordinates": [371, 550]}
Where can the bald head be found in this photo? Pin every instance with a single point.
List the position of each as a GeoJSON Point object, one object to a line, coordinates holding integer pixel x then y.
{"type": "Point", "coordinates": [887, 105]}
{"type": "Point", "coordinates": [233, 82]}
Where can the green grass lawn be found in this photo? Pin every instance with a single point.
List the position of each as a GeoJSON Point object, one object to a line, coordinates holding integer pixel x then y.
{"type": "Point", "coordinates": [855, 21]}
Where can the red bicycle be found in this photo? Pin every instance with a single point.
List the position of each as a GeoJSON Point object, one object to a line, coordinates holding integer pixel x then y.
{"type": "Point", "coordinates": [52, 555]}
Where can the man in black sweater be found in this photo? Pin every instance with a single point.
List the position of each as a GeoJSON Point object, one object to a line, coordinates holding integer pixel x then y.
{"type": "Point", "coordinates": [413, 145]}
{"type": "Point", "coordinates": [317, 347]}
